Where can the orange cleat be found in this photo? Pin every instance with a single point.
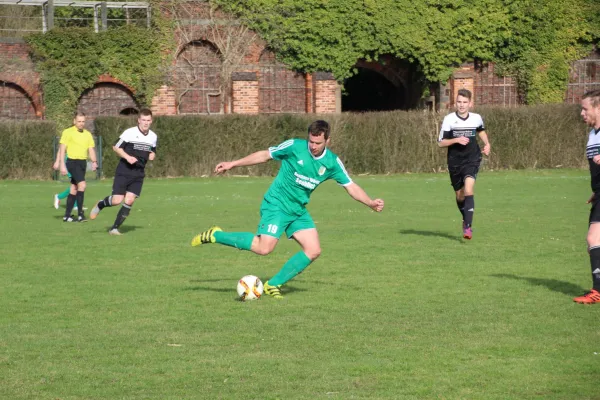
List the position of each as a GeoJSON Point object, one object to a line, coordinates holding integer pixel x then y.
{"type": "Point", "coordinates": [591, 297]}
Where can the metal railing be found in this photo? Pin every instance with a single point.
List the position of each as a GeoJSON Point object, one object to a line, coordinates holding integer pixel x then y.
{"type": "Point", "coordinates": [43, 12]}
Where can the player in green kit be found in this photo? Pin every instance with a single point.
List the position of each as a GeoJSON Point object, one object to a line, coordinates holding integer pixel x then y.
{"type": "Point", "coordinates": [304, 165]}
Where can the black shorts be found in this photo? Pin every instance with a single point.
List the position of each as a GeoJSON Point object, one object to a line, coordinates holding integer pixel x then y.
{"type": "Point", "coordinates": [595, 210]}
{"type": "Point", "coordinates": [77, 170]}
{"type": "Point", "coordinates": [458, 173]}
{"type": "Point", "coordinates": [124, 183]}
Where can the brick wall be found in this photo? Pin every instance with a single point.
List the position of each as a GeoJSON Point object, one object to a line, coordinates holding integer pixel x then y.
{"type": "Point", "coordinates": [280, 90]}
{"type": "Point", "coordinates": [164, 101]}
{"type": "Point", "coordinates": [325, 93]}
{"type": "Point", "coordinates": [584, 76]}
{"type": "Point", "coordinates": [492, 89]}
{"type": "Point", "coordinates": [197, 79]}
{"type": "Point", "coordinates": [487, 87]}
{"type": "Point", "coordinates": [245, 93]}
{"type": "Point", "coordinates": [20, 93]}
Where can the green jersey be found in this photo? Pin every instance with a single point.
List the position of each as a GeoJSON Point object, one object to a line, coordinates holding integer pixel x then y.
{"type": "Point", "coordinates": [300, 174]}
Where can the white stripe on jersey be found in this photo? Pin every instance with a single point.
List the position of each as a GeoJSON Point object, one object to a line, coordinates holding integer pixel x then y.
{"type": "Point", "coordinates": [453, 123]}
{"type": "Point", "coordinates": [341, 164]}
{"type": "Point", "coordinates": [282, 146]}
{"type": "Point", "coordinates": [593, 144]}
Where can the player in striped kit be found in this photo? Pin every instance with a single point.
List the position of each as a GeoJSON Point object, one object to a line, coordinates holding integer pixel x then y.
{"type": "Point", "coordinates": [590, 112]}
{"type": "Point", "coordinates": [459, 134]}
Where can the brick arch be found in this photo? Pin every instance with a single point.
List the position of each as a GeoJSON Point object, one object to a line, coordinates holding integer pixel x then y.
{"type": "Point", "coordinates": [106, 98]}
{"type": "Point", "coordinates": [197, 79]}
{"type": "Point", "coordinates": [280, 90]}
{"type": "Point", "coordinates": [389, 83]}
{"type": "Point", "coordinates": [387, 70]}
{"type": "Point", "coordinates": [16, 102]}
{"type": "Point", "coordinates": [200, 43]}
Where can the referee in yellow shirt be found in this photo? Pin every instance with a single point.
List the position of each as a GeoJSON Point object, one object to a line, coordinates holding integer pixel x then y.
{"type": "Point", "coordinates": [77, 143]}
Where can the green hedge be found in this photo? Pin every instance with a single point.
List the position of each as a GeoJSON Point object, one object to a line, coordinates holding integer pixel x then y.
{"type": "Point", "coordinates": [26, 149]}
{"type": "Point", "coordinates": [550, 136]}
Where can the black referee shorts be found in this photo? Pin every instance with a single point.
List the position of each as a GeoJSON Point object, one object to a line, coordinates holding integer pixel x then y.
{"type": "Point", "coordinates": [124, 183]}
{"type": "Point", "coordinates": [595, 210]}
{"type": "Point", "coordinates": [77, 170]}
{"type": "Point", "coordinates": [458, 173]}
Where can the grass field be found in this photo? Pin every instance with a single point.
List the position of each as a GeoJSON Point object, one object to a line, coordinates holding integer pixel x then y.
{"type": "Point", "coordinates": [397, 307]}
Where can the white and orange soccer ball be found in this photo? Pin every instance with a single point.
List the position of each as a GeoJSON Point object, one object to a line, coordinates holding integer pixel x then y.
{"type": "Point", "coordinates": [249, 287]}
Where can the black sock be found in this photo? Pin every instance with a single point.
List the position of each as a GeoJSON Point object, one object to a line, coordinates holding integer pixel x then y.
{"type": "Point", "coordinates": [461, 207]}
{"type": "Point", "coordinates": [121, 215]}
{"type": "Point", "coordinates": [595, 263]}
{"type": "Point", "coordinates": [107, 202]}
{"type": "Point", "coordinates": [469, 210]}
{"type": "Point", "coordinates": [79, 197]}
{"type": "Point", "coordinates": [70, 203]}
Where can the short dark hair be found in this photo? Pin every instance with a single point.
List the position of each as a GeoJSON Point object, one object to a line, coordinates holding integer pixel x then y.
{"type": "Point", "coordinates": [145, 112]}
{"type": "Point", "coordinates": [464, 93]}
{"type": "Point", "coordinates": [594, 96]}
{"type": "Point", "coordinates": [78, 114]}
{"type": "Point", "coordinates": [318, 128]}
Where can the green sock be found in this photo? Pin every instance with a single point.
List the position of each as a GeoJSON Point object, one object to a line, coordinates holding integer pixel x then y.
{"type": "Point", "coordinates": [290, 269]}
{"type": "Point", "coordinates": [64, 194]}
{"type": "Point", "coordinates": [239, 240]}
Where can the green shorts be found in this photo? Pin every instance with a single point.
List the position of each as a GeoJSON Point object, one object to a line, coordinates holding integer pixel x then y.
{"type": "Point", "coordinates": [274, 221]}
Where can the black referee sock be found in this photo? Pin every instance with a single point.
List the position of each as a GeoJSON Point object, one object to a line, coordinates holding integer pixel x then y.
{"type": "Point", "coordinates": [121, 215]}
{"type": "Point", "coordinates": [79, 197]}
{"type": "Point", "coordinates": [595, 263]}
{"type": "Point", "coordinates": [461, 207]}
{"type": "Point", "coordinates": [107, 202]}
{"type": "Point", "coordinates": [469, 209]}
{"type": "Point", "coordinates": [70, 203]}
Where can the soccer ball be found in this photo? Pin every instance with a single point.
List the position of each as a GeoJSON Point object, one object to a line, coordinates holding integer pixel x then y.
{"type": "Point", "coordinates": [249, 288]}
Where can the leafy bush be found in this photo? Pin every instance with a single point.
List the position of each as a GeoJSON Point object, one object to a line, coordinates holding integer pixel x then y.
{"type": "Point", "coordinates": [26, 149]}
{"type": "Point", "coordinates": [376, 143]}
{"type": "Point", "coordinates": [551, 136]}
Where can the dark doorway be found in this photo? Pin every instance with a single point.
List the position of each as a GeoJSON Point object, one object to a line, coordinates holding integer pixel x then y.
{"type": "Point", "coordinates": [129, 111]}
{"type": "Point", "coordinates": [370, 91]}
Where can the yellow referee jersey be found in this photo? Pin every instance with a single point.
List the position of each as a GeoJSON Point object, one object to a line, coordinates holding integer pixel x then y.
{"type": "Point", "coordinates": [77, 143]}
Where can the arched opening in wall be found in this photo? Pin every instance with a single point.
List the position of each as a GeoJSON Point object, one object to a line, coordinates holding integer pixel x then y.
{"type": "Point", "coordinates": [129, 111]}
{"type": "Point", "coordinates": [280, 90]}
{"type": "Point", "coordinates": [387, 84]}
{"type": "Point", "coordinates": [197, 79]}
{"type": "Point", "coordinates": [584, 75]}
{"type": "Point", "coordinates": [369, 90]}
{"type": "Point", "coordinates": [106, 99]}
{"type": "Point", "coordinates": [15, 103]}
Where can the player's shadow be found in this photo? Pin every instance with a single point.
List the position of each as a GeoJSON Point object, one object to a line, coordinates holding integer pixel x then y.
{"type": "Point", "coordinates": [127, 228]}
{"type": "Point", "coordinates": [123, 228]}
{"type": "Point", "coordinates": [568, 288]}
{"type": "Point", "coordinates": [431, 233]}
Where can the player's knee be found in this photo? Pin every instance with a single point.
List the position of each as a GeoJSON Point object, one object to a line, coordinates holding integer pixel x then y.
{"type": "Point", "coordinates": [593, 240]}
{"type": "Point", "coordinates": [81, 186]}
{"type": "Point", "coordinates": [313, 253]}
{"type": "Point", "coordinates": [263, 250]}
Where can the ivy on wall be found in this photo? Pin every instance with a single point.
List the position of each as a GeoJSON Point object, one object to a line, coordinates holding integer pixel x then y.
{"type": "Point", "coordinates": [535, 40]}
{"type": "Point", "coordinates": [70, 60]}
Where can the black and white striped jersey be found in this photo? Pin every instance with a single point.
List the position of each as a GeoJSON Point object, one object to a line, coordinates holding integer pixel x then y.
{"type": "Point", "coordinates": [455, 126]}
{"type": "Point", "coordinates": [593, 149]}
{"type": "Point", "coordinates": [139, 145]}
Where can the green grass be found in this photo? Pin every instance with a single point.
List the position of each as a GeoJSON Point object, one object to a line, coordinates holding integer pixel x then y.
{"type": "Point", "coordinates": [397, 307]}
